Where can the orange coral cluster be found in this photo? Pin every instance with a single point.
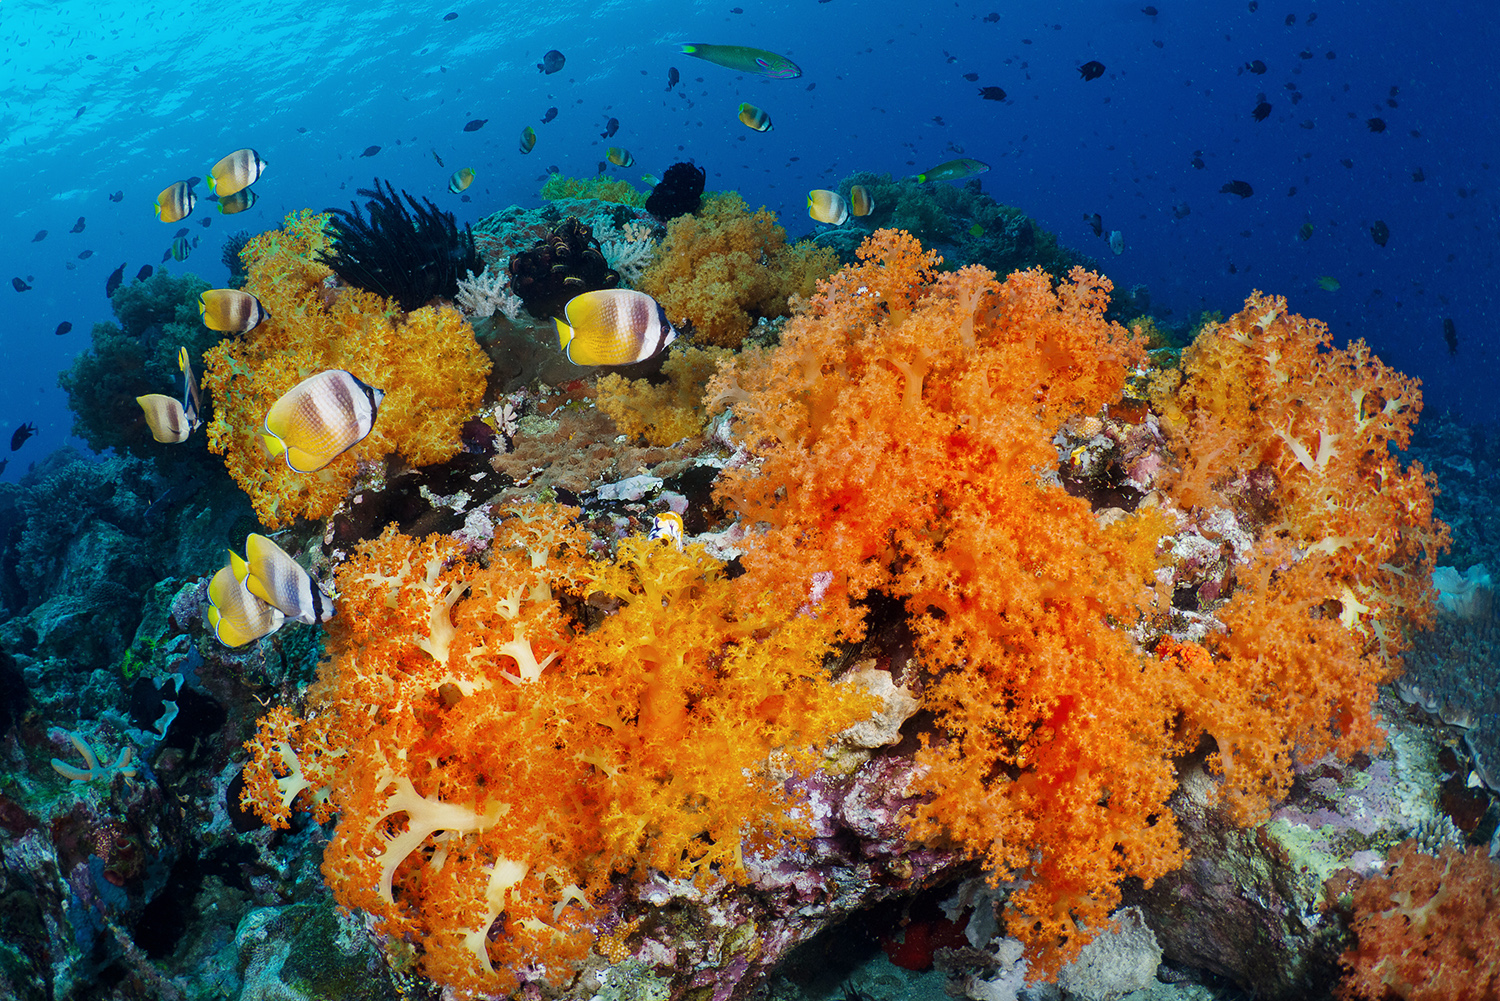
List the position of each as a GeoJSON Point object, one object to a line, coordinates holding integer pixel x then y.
{"type": "Point", "coordinates": [492, 765]}
{"type": "Point", "coordinates": [666, 413]}
{"type": "Point", "coordinates": [427, 361]}
{"type": "Point", "coordinates": [724, 266]}
{"type": "Point", "coordinates": [904, 432]}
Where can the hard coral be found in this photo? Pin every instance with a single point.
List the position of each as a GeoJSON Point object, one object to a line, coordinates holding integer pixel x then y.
{"type": "Point", "coordinates": [427, 362]}
{"type": "Point", "coordinates": [726, 266]}
{"type": "Point", "coordinates": [411, 256]}
{"type": "Point", "coordinates": [643, 744]}
{"type": "Point", "coordinates": [567, 262]}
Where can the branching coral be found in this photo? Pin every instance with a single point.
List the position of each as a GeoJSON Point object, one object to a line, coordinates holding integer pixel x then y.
{"type": "Point", "coordinates": [726, 266]}
{"type": "Point", "coordinates": [903, 433]}
{"type": "Point", "coordinates": [411, 256]}
{"type": "Point", "coordinates": [427, 362]}
{"type": "Point", "coordinates": [642, 744]}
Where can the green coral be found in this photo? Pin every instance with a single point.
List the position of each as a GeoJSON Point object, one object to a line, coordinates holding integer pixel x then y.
{"type": "Point", "coordinates": [601, 187]}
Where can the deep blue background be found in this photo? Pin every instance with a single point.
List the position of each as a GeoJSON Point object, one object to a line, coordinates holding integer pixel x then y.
{"type": "Point", "coordinates": [99, 97]}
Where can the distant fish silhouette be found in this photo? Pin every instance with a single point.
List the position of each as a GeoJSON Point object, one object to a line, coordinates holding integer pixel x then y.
{"type": "Point", "coordinates": [1240, 188]}
{"type": "Point", "coordinates": [77, 226]}
{"type": "Point", "coordinates": [370, 151]}
{"type": "Point", "coordinates": [475, 124]}
{"type": "Point", "coordinates": [1091, 70]}
{"type": "Point", "coordinates": [63, 328]}
{"type": "Point", "coordinates": [116, 277]}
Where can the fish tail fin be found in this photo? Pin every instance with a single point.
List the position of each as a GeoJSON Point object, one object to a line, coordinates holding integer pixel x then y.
{"type": "Point", "coordinates": [690, 49]}
{"type": "Point", "coordinates": [271, 445]}
{"type": "Point", "coordinates": [564, 333]}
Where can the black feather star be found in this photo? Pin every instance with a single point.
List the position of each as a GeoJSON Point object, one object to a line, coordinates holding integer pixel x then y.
{"type": "Point", "coordinates": [412, 256]}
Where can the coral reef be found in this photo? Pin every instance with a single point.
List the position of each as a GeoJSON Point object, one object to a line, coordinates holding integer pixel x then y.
{"type": "Point", "coordinates": [667, 412]}
{"type": "Point", "coordinates": [567, 262]}
{"type": "Point", "coordinates": [679, 192]}
{"type": "Point", "coordinates": [600, 188]}
{"type": "Point", "coordinates": [427, 362]}
{"type": "Point", "coordinates": [905, 424]}
{"type": "Point", "coordinates": [486, 294]}
{"type": "Point", "coordinates": [726, 266]}
{"type": "Point", "coordinates": [411, 256]}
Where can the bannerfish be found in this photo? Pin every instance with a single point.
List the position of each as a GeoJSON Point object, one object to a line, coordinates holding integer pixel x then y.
{"type": "Point", "coordinates": [610, 128]}
{"type": "Point", "coordinates": [551, 62]}
{"type": "Point", "coordinates": [179, 249]}
{"type": "Point", "coordinates": [116, 277]}
{"type": "Point", "coordinates": [461, 180]}
{"type": "Point", "coordinates": [551, 114]}
{"type": "Point", "coordinates": [236, 616]}
{"type": "Point", "coordinates": [175, 202]}
{"type": "Point", "coordinates": [1241, 188]}
{"type": "Point", "coordinates": [827, 206]}
{"type": "Point", "coordinates": [475, 124]}
{"type": "Point", "coordinates": [613, 326]}
{"type": "Point", "coordinates": [279, 581]}
{"type": "Point", "coordinates": [755, 118]}
{"type": "Point", "coordinates": [63, 328]}
{"type": "Point", "coordinates": [528, 139]}
{"type": "Point", "coordinates": [745, 60]}
{"type": "Point", "coordinates": [860, 201]}
{"type": "Point", "coordinates": [954, 170]}
{"type": "Point", "coordinates": [620, 157]}
{"type": "Point", "coordinates": [19, 435]}
{"type": "Point", "coordinates": [320, 418]}
{"type": "Point", "coordinates": [235, 172]}
{"type": "Point", "coordinates": [237, 202]}
{"type": "Point", "coordinates": [230, 310]}
{"type": "Point", "coordinates": [1091, 70]}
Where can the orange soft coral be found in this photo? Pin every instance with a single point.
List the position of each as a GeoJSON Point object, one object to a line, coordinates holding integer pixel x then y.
{"type": "Point", "coordinates": [432, 371]}
{"type": "Point", "coordinates": [643, 744]}
{"type": "Point", "coordinates": [724, 266]}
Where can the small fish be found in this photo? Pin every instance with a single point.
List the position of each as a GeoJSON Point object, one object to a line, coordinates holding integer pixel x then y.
{"type": "Point", "coordinates": [551, 114]}
{"type": "Point", "coordinates": [1117, 242]}
{"type": "Point", "coordinates": [1256, 66]}
{"type": "Point", "coordinates": [1096, 223]}
{"type": "Point", "coordinates": [672, 77]}
{"type": "Point", "coordinates": [237, 202]}
{"type": "Point", "coordinates": [861, 203]}
{"type": "Point", "coordinates": [77, 226]}
{"type": "Point", "coordinates": [528, 139]}
{"type": "Point", "coordinates": [1197, 161]}
{"type": "Point", "coordinates": [746, 60]}
{"type": "Point", "coordinates": [1380, 232]}
{"type": "Point", "coordinates": [166, 418]}
{"type": "Point", "coordinates": [953, 170]}
{"type": "Point", "coordinates": [972, 77]}
{"type": "Point", "coordinates": [827, 206]}
{"type": "Point", "coordinates": [1240, 188]}
{"type": "Point", "coordinates": [1450, 335]}
{"type": "Point", "coordinates": [175, 202]}
{"type": "Point", "coordinates": [3, 464]}
{"type": "Point", "coordinates": [1091, 70]}
{"type": "Point", "coordinates": [1291, 19]}
{"type": "Point", "coordinates": [1375, 124]}
{"type": "Point", "coordinates": [19, 285]}
{"type": "Point", "coordinates": [19, 436]}
{"type": "Point", "coordinates": [230, 310]}
{"type": "Point", "coordinates": [474, 125]}
{"type": "Point", "coordinates": [1181, 210]}
{"type": "Point", "coordinates": [236, 616]}
{"type": "Point", "coordinates": [992, 93]}
{"type": "Point", "coordinates": [1149, 11]}
{"type": "Point", "coordinates": [116, 278]}
{"type": "Point", "coordinates": [651, 180]}
{"type": "Point", "coordinates": [610, 128]}
{"type": "Point", "coordinates": [1348, 163]}
{"type": "Point", "coordinates": [118, 196]}
{"type": "Point", "coordinates": [320, 418]}
{"type": "Point", "coordinates": [84, 255]}
{"type": "Point", "coordinates": [551, 62]}
{"type": "Point", "coordinates": [613, 326]}
{"type": "Point", "coordinates": [1328, 283]}
{"type": "Point", "coordinates": [435, 156]}
{"type": "Point", "coordinates": [1262, 111]}
{"type": "Point", "coordinates": [1254, 6]}
{"type": "Point", "coordinates": [620, 157]}
{"type": "Point", "coordinates": [461, 180]}
{"type": "Point", "coordinates": [63, 328]}
{"type": "Point", "coordinates": [452, 15]}
{"type": "Point", "coordinates": [235, 172]}
{"type": "Point", "coordinates": [754, 118]}
{"type": "Point", "coordinates": [179, 249]}
{"type": "Point", "coordinates": [206, 221]}
{"type": "Point", "coordinates": [1305, 233]}
{"type": "Point", "coordinates": [41, 235]}
{"type": "Point", "coordinates": [1418, 176]}
{"type": "Point", "coordinates": [667, 527]}
{"type": "Point", "coordinates": [278, 580]}
{"type": "Point", "coordinates": [370, 151]}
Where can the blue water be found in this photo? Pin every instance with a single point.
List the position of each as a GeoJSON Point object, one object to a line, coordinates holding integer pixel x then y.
{"type": "Point", "coordinates": [108, 96]}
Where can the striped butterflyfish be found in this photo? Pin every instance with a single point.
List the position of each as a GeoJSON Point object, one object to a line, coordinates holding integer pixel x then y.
{"type": "Point", "coordinates": [280, 581]}
{"type": "Point", "coordinates": [860, 201]}
{"type": "Point", "coordinates": [229, 309]}
{"type": "Point", "coordinates": [234, 614]}
{"type": "Point", "coordinates": [170, 421]}
{"type": "Point", "coordinates": [235, 172]}
{"type": "Point", "coordinates": [827, 206]}
{"type": "Point", "coordinates": [175, 202]}
{"type": "Point", "coordinates": [613, 326]}
{"type": "Point", "coordinates": [320, 418]}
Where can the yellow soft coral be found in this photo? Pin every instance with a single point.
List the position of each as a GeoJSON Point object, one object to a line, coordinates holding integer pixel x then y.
{"type": "Point", "coordinates": [725, 266]}
{"type": "Point", "coordinates": [667, 413]}
{"type": "Point", "coordinates": [427, 361]}
{"type": "Point", "coordinates": [602, 188]}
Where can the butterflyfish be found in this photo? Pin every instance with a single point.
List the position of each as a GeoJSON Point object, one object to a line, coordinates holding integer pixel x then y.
{"type": "Point", "coordinates": [235, 172]}
{"type": "Point", "coordinates": [613, 326]}
{"type": "Point", "coordinates": [320, 418]}
{"type": "Point", "coordinates": [860, 202]}
{"type": "Point", "coordinates": [237, 202]}
{"type": "Point", "coordinates": [461, 180]}
{"type": "Point", "coordinates": [953, 170]}
{"type": "Point", "coordinates": [745, 60]}
{"type": "Point", "coordinates": [620, 157]}
{"type": "Point", "coordinates": [827, 206]}
{"type": "Point", "coordinates": [236, 616]}
{"type": "Point", "coordinates": [1328, 283]}
{"type": "Point", "coordinates": [180, 249]}
{"type": "Point", "coordinates": [528, 139]}
{"type": "Point", "coordinates": [1117, 242]}
{"type": "Point", "coordinates": [165, 417]}
{"type": "Point", "coordinates": [175, 202]}
{"type": "Point", "coordinates": [280, 582]}
{"type": "Point", "coordinates": [230, 310]}
{"type": "Point", "coordinates": [755, 118]}
{"type": "Point", "coordinates": [192, 402]}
